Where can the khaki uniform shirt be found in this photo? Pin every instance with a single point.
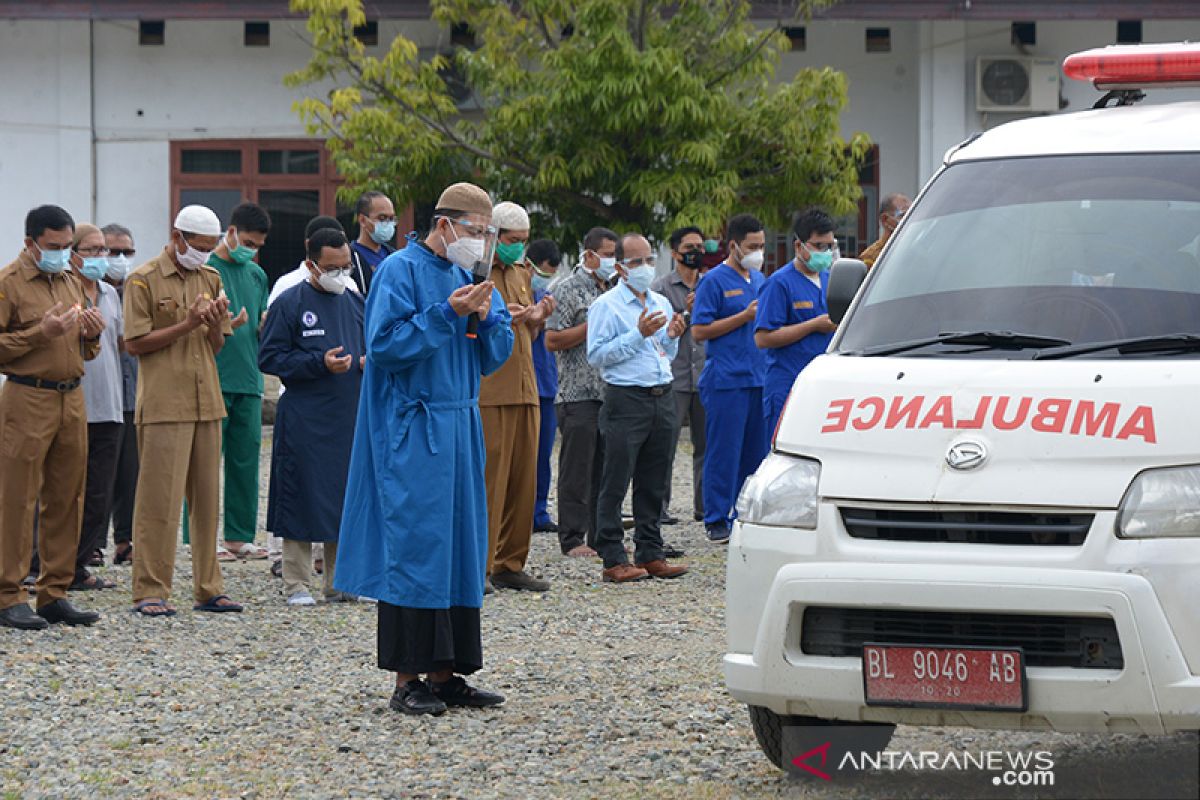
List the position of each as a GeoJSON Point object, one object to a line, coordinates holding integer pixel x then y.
{"type": "Point", "coordinates": [178, 383]}
{"type": "Point", "coordinates": [515, 383]}
{"type": "Point", "coordinates": [26, 294]}
{"type": "Point", "coordinates": [869, 255]}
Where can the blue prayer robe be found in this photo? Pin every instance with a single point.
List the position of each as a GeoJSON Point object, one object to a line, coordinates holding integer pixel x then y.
{"type": "Point", "coordinates": [414, 525]}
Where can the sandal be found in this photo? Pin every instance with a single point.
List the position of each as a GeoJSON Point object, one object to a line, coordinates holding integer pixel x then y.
{"type": "Point", "coordinates": [249, 551]}
{"type": "Point", "coordinates": [91, 583]}
{"type": "Point", "coordinates": [152, 607]}
{"type": "Point", "coordinates": [225, 555]}
{"type": "Point", "coordinates": [123, 554]}
{"type": "Point", "coordinates": [215, 606]}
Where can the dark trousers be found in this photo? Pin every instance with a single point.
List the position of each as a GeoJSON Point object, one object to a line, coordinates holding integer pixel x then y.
{"type": "Point", "coordinates": [126, 483]}
{"type": "Point", "coordinates": [541, 514]}
{"type": "Point", "coordinates": [580, 460]}
{"type": "Point", "coordinates": [104, 439]}
{"type": "Point", "coordinates": [637, 425]}
{"type": "Point", "coordinates": [689, 409]}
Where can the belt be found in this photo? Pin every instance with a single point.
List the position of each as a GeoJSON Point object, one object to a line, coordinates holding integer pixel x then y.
{"type": "Point", "coordinates": [38, 383]}
{"type": "Point", "coordinates": [653, 391]}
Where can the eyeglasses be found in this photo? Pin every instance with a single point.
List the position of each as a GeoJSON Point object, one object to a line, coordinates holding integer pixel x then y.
{"type": "Point", "coordinates": [92, 251]}
{"type": "Point", "coordinates": [638, 262]}
{"type": "Point", "coordinates": [823, 247]}
{"type": "Point", "coordinates": [121, 251]}
{"type": "Point", "coordinates": [343, 271]}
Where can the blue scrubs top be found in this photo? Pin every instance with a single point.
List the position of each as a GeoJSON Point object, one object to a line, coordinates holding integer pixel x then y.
{"type": "Point", "coordinates": [545, 367]}
{"type": "Point", "coordinates": [731, 361]}
{"type": "Point", "coordinates": [789, 298]}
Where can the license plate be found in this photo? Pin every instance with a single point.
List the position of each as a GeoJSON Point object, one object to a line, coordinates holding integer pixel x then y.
{"type": "Point", "coordinates": [944, 677]}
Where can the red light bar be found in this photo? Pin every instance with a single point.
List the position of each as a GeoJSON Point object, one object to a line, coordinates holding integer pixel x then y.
{"type": "Point", "coordinates": [1136, 66]}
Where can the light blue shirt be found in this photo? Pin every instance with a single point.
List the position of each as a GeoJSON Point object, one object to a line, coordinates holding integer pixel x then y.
{"type": "Point", "coordinates": [617, 348]}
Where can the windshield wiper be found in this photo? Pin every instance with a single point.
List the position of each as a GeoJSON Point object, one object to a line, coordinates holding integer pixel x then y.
{"type": "Point", "coordinates": [1000, 340]}
{"type": "Point", "coordinates": [1133, 344]}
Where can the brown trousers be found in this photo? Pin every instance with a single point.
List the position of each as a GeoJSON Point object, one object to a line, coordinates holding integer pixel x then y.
{"type": "Point", "coordinates": [178, 459]}
{"type": "Point", "coordinates": [43, 453]}
{"type": "Point", "coordinates": [510, 435]}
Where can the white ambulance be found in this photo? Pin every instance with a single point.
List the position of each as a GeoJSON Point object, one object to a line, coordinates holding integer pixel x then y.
{"type": "Point", "coordinates": [982, 506]}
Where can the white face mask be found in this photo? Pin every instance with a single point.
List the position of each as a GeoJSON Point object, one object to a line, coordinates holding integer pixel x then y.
{"type": "Point", "coordinates": [192, 259]}
{"type": "Point", "coordinates": [334, 282]}
{"type": "Point", "coordinates": [118, 267]}
{"type": "Point", "coordinates": [639, 278]}
{"type": "Point", "coordinates": [463, 251]}
{"type": "Point", "coordinates": [752, 260]}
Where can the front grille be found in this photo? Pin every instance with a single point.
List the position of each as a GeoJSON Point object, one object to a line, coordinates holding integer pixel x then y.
{"type": "Point", "coordinates": [1048, 641]}
{"type": "Point", "coordinates": [969, 527]}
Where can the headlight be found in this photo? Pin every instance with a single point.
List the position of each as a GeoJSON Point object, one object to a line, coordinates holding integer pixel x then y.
{"type": "Point", "coordinates": [782, 492]}
{"type": "Point", "coordinates": [1161, 502]}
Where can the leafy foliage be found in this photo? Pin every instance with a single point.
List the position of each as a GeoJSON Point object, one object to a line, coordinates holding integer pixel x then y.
{"type": "Point", "coordinates": [635, 114]}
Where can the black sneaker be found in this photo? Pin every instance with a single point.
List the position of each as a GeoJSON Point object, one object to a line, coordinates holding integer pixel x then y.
{"type": "Point", "coordinates": [545, 527]}
{"type": "Point", "coordinates": [718, 532]}
{"type": "Point", "coordinates": [415, 698]}
{"type": "Point", "coordinates": [457, 692]}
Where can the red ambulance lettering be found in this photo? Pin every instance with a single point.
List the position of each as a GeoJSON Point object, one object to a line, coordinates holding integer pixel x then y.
{"type": "Point", "coordinates": [901, 411]}
{"type": "Point", "coordinates": [839, 413]}
{"type": "Point", "coordinates": [866, 422]}
{"type": "Point", "coordinates": [1001, 424]}
{"type": "Point", "coordinates": [976, 422]}
{"type": "Point", "coordinates": [1051, 416]}
{"type": "Point", "coordinates": [941, 411]}
{"type": "Point", "coordinates": [1088, 421]}
{"type": "Point", "coordinates": [1140, 423]}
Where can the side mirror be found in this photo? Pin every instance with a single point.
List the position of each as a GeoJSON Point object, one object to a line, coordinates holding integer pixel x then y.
{"type": "Point", "coordinates": [844, 279]}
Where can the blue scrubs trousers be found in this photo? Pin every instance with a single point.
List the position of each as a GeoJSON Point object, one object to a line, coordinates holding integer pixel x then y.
{"type": "Point", "coordinates": [541, 516]}
{"type": "Point", "coordinates": [736, 445]}
{"type": "Point", "coordinates": [773, 404]}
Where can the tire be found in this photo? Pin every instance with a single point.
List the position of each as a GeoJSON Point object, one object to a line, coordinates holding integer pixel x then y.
{"type": "Point", "coordinates": [850, 736]}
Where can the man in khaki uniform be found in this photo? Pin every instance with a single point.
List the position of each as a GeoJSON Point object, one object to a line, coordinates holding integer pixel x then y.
{"type": "Point", "coordinates": [44, 339]}
{"type": "Point", "coordinates": [891, 211]}
{"type": "Point", "coordinates": [176, 320]}
{"type": "Point", "coordinates": [509, 408]}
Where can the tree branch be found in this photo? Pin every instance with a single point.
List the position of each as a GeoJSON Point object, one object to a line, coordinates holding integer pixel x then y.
{"type": "Point", "coordinates": [754, 51]}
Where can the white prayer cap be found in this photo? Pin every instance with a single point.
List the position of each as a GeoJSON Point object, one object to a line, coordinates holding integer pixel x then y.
{"type": "Point", "coordinates": [198, 219]}
{"type": "Point", "coordinates": [508, 216]}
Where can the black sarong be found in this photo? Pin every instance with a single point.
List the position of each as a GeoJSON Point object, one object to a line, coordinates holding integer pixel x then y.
{"type": "Point", "coordinates": [416, 641]}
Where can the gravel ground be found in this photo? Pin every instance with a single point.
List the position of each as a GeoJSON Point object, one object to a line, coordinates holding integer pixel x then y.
{"type": "Point", "coordinates": [612, 692]}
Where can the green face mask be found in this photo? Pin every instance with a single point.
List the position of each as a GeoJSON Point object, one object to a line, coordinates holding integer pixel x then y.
{"type": "Point", "coordinates": [510, 253]}
{"type": "Point", "coordinates": [240, 254]}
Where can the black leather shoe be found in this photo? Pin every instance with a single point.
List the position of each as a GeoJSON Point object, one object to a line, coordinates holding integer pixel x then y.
{"type": "Point", "coordinates": [545, 527]}
{"type": "Point", "coordinates": [671, 551]}
{"type": "Point", "coordinates": [415, 698]}
{"type": "Point", "coordinates": [457, 692]}
{"type": "Point", "coordinates": [521, 581]}
{"type": "Point", "coordinates": [62, 611]}
{"type": "Point", "coordinates": [698, 516]}
{"type": "Point", "coordinates": [668, 519]}
{"type": "Point", "coordinates": [22, 618]}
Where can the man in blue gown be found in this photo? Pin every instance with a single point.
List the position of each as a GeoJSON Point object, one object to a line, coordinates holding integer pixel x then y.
{"type": "Point", "coordinates": [414, 525]}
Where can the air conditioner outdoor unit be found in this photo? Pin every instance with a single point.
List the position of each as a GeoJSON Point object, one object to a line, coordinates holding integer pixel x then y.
{"type": "Point", "coordinates": [1016, 84]}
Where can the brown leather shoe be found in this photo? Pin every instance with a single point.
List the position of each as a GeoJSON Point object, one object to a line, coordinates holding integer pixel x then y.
{"type": "Point", "coordinates": [624, 573]}
{"type": "Point", "coordinates": [661, 569]}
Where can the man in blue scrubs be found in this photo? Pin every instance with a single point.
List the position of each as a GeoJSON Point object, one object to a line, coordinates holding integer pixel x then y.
{"type": "Point", "coordinates": [732, 381]}
{"type": "Point", "coordinates": [793, 325]}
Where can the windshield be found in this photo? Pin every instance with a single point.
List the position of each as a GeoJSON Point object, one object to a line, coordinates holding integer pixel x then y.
{"type": "Point", "coordinates": [1085, 249]}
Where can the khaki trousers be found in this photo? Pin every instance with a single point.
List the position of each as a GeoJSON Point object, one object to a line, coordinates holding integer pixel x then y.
{"type": "Point", "coordinates": [43, 453]}
{"type": "Point", "coordinates": [298, 564]}
{"type": "Point", "coordinates": [178, 459]}
{"type": "Point", "coordinates": [510, 436]}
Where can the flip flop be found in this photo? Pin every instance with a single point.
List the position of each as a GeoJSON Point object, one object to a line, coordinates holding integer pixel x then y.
{"type": "Point", "coordinates": [143, 607]}
{"type": "Point", "coordinates": [249, 551]}
{"type": "Point", "coordinates": [213, 605]}
{"type": "Point", "coordinates": [91, 584]}
{"type": "Point", "coordinates": [225, 556]}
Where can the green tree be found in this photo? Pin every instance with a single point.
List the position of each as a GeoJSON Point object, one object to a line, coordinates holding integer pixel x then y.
{"type": "Point", "coordinates": [634, 114]}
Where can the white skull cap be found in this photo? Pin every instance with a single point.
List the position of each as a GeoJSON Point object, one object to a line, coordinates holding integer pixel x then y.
{"type": "Point", "coordinates": [508, 216]}
{"type": "Point", "coordinates": [198, 219]}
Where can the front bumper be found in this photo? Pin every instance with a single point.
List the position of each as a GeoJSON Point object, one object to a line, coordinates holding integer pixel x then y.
{"type": "Point", "coordinates": [1154, 693]}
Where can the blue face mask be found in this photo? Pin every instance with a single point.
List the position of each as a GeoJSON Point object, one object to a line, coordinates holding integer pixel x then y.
{"type": "Point", "coordinates": [541, 282]}
{"type": "Point", "coordinates": [53, 261]}
{"type": "Point", "coordinates": [640, 278]}
{"type": "Point", "coordinates": [384, 231]}
{"type": "Point", "coordinates": [94, 268]}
